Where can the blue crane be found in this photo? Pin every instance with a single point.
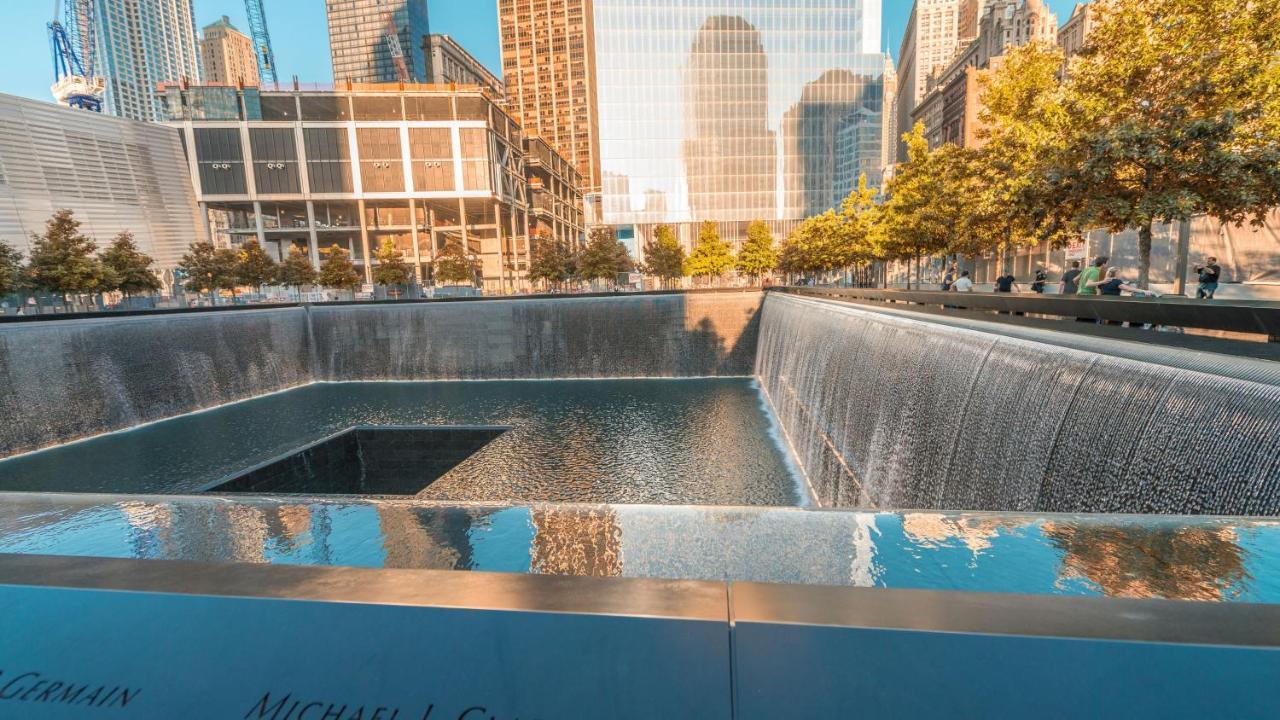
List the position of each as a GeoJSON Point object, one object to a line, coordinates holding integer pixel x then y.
{"type": "Point", "coordinates": [261, 41]}
{"type": "Point", "coordinates": [72, 43]}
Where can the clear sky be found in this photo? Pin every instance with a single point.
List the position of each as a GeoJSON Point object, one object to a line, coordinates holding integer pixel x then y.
{"type": "Point", "coordinates": [299, 35]}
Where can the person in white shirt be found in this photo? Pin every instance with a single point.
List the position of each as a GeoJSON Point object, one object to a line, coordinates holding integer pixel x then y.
{"type": "Point", "coordinates": [964, 284]}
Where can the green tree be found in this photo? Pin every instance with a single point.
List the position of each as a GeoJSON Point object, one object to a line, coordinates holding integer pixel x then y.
{"type": "Point", "coordinates": [552, 261]}
{"type": "Point", "coordinates": [296, 270]}
{"type": "Point", "coordinates": [920, 214]}
{"type": "Point", "coordinates": [254, 266]}
{"type": "Point", "coordinates": [711, 258]}
{"type": "Point", "coordinates": [453, 266]}
{"type": "Point", "coordinates": [208, 268]}
{"type": "Point", "coordinates": [62, 258]}
{"type": "Point", "coordinates": [758, 256]}
{"type": "Point", "coordinates": [391, 268]}
{"type": "Point", "coordinates": [604, 257]}
{"type": "Point", "coordinates": [1002, 190]}
{"type": "Point", "coordinates": [1176, 111]}
{"type": "Point", "coordinates": [128, 268]}
{"type": "Point", "coordinates": [664, 256]}
{"type": "Point", "coordinates": [10, 269]}
{"type": "Point", "coordinates": [336, 270]}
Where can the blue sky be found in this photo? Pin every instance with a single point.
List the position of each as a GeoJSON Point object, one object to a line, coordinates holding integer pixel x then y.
{"type": "Point", "coordinates": [300, 37]}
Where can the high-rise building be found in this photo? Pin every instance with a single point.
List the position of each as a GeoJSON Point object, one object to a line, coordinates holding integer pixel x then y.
{"type": "Point", "coordinates": [1075, 31]}
{"type": "Point", "coordinates": [891, 131]}
{"type": "Point", "coordinates": [733, 110]}
{"type": "Point", "coordinates": [363, 45]}
{"type": "Point", "coordinates": [450, 63]}
{"type": "Point", "coordinates": [140, 44]}
{"type": "Point", "coordinates": [930, 42]}
{"type": "Point", "coordinates": [115, 174]}
{"type": "Point", "coordinates": [951, 107]}
{"type": "Point", "coordinates": [548, 63]}
{"type": "Point", "coordinates": [227, 55]}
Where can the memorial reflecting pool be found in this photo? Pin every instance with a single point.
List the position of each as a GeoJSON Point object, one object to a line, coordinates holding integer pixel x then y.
{"type": "Point", "coordinates": [1207, 559]}
{"type": "Point", "coordinates": [701, 441]}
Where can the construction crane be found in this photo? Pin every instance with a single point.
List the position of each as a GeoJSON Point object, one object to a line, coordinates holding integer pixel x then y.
{"type": "Point", "coordinates": [261, 41]}
{"type": "Point", "coordinates": [393, 44]}
{"type": "Point", "coordinates": [72, 44]}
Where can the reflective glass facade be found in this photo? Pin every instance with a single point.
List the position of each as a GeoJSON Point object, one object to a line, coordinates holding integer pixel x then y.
{"type": "Point", "coordinates": [733, 110]}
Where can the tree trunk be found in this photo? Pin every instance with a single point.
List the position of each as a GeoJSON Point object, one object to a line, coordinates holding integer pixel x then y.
{"type": "Point", "coordinates": [1144, 255]}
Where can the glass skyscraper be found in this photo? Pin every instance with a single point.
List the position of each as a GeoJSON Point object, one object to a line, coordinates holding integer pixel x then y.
{"type": "Point", "coordinates": [735, 110]}
{"type": "Point", "coordinates": [359, 39]}
{"type": "Point", "coordinates": [140, 44]}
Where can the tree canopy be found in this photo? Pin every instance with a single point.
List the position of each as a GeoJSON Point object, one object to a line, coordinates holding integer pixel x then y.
{"type": "Point", "coordinates": [61, 260]}
{"type": "Point", "coordinates": [208, 268]}
{"type": "Point", "coordinates": [604, 257]}
{"type": "Point", "coordinates": [711, 257]}
{"type": "Point", "coordinates": [129, 269]}
{"type": "Point", "coordinates": [391, 269]}
{"type": "Point", "coordinates": [553, 261]}
{"type": "Point", "coordinates": [664, 256]}
{"type": "Point", "coordinates": [254, 267]}
{"type": "Point", "coordinates": [10, 269]}
{"type": "Point", "coordinates": [296, 270]}
{"type": "Point", "coordinates": [337, 271]}
{"type": "Point", "coordinates": [757, 256]}
{"type": "Point", "coordinates": [452, 265]}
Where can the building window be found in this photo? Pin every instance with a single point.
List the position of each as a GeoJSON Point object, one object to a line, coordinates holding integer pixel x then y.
{"type": "Point", "coordinates": [328, 160]}
{"type": "Point", "coordinates": [220, 159]}
{"type": "Point", "coordinates": [381, 168]}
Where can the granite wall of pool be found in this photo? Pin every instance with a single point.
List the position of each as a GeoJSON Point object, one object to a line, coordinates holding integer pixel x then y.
{"type": "Point", "coordinates": [68, 379]}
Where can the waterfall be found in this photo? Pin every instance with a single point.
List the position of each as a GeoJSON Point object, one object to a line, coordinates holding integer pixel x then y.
{"type": "Point", "coordinates": [893, 412]}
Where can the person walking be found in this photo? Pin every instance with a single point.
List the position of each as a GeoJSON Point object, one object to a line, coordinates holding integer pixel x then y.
{"type": "Point", "coordinates": [1070, 279]}
{"type": "Point", "coordinates": [1210, 272]}
{"type": "Point", "coordinates": [963, 284]}
{"type": "Point", "coordinates": [1007, 283]}
{"type": "Point", "coordinates": [1037, 285]}
{"type": "Point", "coordinates": [949, 278]}
{"type": "Point", "coordinates": [1091, 274]}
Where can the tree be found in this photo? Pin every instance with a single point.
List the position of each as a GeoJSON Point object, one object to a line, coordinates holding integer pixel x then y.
{"type": "Point", "coordinates": [1176, 110]}
{"type": "Point", "coordinates": [711, 258]}
{"type": "Point", "coordinates": [552, 261]}
{"type": "Point", "coordinates": [296, 270]}
{"type": "Point", "coordinates": [254, 267]}
{"type": "Point", "coordinates": [391, 268]}
{"type": "Point", "coordinates": [129, 269]}
{"type": "Point", "coordinates": [921, 211]}
{"type": "Point", "coordinates": [452, 265]}
{"type": "Point", "coordinates": [664, 256]}
{"type": "Point", "coordinates": [208, 268]}
{"type": "Point", "coordinates": [1003, 191]}
{"type": "Point", "coordinates": [336, 270]}
{"type": "Point", "coordinates": [62, 259]}
{"type": "Point", "coordinates": [604, 257]}
{"type": "Point", "coordinates": [10, 269]}
{"type": "Point", "coordinates": [757, 256]}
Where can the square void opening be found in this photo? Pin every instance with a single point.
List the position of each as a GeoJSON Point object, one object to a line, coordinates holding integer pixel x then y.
{"type": "Point", "coordinates": [365, 460]}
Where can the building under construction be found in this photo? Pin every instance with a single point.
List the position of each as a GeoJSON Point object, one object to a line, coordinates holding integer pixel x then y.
{"type": "Point", "coordinates": [424, 166]}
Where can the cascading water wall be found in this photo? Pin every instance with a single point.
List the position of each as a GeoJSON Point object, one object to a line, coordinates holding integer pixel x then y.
{"type": "Point", "coordinates": [891, 412]}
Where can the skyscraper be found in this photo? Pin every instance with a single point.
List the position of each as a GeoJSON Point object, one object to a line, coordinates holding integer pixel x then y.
{"type": "Point", "coordinates": [227, 55]}
{"type": "Point", "coordinates": [548, 64]}
{"type": "Point", "coordinates": [732, 110]}
{"type": "Point", "coordinates": [930, 42]}
{"type": "Point", "coordinates": [362, 45]}
{"type": "Point", "coordinates": [140, 44]}
{"type": "Point", "coordinates": [728, 133]}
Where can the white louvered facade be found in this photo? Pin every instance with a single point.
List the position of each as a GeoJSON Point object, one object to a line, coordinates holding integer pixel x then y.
{"type": "Point", "coordinates": [116, 174]}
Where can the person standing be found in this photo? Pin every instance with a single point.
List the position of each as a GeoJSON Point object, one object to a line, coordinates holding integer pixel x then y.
{"type": "Point", "coordinates": [1007, 283]}
{"type": "Point", "coordinates": [963, 284]}
{"type": "Point", "coordinates": [1091, 274]}
{"type": "Point", "coordinates": [949, 278]}
{"type": "Point", "coordinates": [1070, 279]}
{"type": "Point", "coordinates": [1210, 272]}
{"type": "Point", "coordinates": [1037, 285]}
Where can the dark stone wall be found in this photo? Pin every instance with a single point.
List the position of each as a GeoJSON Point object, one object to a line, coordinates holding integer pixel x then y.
{"type": "Point", "coordinates": [681, 335]}
{"type": "Point", "coordinates": [66, 379]}
{"type": "Point", "coordinates": [895, 413]}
